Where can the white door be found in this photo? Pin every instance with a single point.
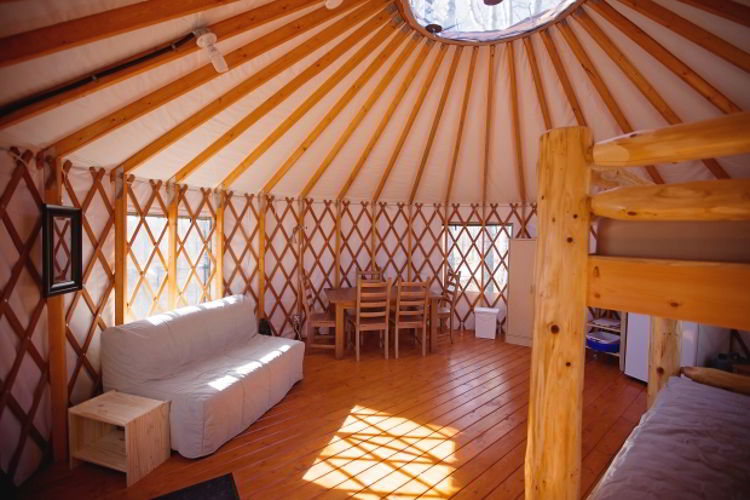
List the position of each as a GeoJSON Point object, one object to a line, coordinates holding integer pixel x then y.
{"type": "Point", "coordinates": [520, 291]}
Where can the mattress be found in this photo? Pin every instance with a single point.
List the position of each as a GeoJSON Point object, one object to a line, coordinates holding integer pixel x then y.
{"type": "Point", "coordinates": [694, 443]}
{"type": "Point", "coordinates": [717, 241]}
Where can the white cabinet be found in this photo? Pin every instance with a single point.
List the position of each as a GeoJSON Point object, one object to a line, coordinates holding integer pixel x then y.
{"type": "Point", "coordinates": [520, 291]}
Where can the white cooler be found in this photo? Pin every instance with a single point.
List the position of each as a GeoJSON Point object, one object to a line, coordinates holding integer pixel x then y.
{"type": "Point", "coordinates": [485, 321]}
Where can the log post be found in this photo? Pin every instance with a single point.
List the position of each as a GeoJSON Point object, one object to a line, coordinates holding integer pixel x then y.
{"type": "Point", "coordinates": [553, 450]}
{"type": "Point", "coordinates": [663, 355]}
{"type": "Point", "coordinates": [58, 375]}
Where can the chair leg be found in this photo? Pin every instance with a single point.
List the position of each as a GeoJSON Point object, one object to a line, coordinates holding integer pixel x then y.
{"type": "Point", "coordinates": [385, 334]}
{"type": "Point", "coordinates": [424, 340]}
{"type": "Point", "coordinates": [356, 343]}
{"type": "Point", "coordinates": [395, 340]}
{"type": "Point", "coordinates": [451, 326]}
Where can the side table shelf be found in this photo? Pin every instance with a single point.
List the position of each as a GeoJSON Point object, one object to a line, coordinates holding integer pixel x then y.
{"type": "Point", "coordinates": [120, 431]}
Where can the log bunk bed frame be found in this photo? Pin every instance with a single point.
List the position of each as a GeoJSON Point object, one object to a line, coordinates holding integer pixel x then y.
{"type": "Point", "coordinates": [568, 279]}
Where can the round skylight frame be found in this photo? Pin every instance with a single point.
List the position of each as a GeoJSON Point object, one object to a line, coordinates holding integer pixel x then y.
{"type": "Point", "coordinates": [562, 9]}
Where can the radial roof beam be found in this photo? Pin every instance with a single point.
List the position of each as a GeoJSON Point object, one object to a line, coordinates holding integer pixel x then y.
{"type": "Point", "coordinates": [691, 31]}
{"type": "Point", "coordinates": [364, 110]}
{"type": "Point", "coordinates": [562, 75]}
{"type": "Point", "coordinates": [640, 81]}
{"type": "Point", "coordinates": [461, 122]}
{"type": "Point", "coordinates": [385, 120]}
{"type": "Point", "coordinates": [69, 34]}
{"type": "Point", "coordinates": [337, 108]}
{"type": "Point", "coordinates": [664, 56]}
{"type": "Point", "coordinates": [727, 9]}
{"type": "Point", "coordinates": [83, 85]}
{"type": "Point", "coordinates": [194, 79]}
{"type": "Point", "coordinates": [529, 45]}
{"type": "Point", "coordinates": [256, 80]}
{"type": "Point", "coordinates": [436, 121]}
{"type": "Point", "coordinates": [368, 48]}
{"type": "Point", "coordinates": [490, 112]}
{"type": "Point", "coordinates": [601, 88]}
{"type": "Point", "coordinates": [516, 123]}
{"type": "Point", "coordinates": [410, 121]}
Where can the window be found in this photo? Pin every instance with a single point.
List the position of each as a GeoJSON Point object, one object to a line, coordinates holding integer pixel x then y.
{"type": "Point", "coordinates": [150, 295]}
{"type": "Point", "coordinates": [473, 20]}
{"type": "Point", "coordinates": [465, 255]}
{"type": "Point", "coordinates": [149, 250]}
{"type": "Point", "coordinates": [194, 253]}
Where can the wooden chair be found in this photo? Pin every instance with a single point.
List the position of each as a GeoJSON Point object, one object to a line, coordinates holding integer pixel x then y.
{"type": "Point", "coordinates": [372, 274]}
{"type": "Point", "coordinates": [372, 310]}
{"type": "Point", "coordinates": [410, 311]}
{"type": "Point", "coordinates": [314, 320]}
{"type": "Point", "coordinates": [447, 308]}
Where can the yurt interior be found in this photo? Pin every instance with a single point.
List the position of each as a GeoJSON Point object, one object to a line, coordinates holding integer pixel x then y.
{"type": "Point", "coordinates": [375, 249]}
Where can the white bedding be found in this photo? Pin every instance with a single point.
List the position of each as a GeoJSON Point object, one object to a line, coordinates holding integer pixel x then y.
{"type": "Point", "coordinates": [209, 361]}
{"type": "Point", "coordinates": [694, 443]}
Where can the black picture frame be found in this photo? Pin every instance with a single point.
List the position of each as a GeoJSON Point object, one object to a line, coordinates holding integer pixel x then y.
{"type": "Point", "coordinates": [50, 287]}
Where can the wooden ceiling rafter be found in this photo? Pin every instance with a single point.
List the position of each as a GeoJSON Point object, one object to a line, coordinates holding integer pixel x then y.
{"type": "Point", "coordinates": [461, 121]}
{"type": "Point", "coordinates": [442, 48]}
{"type": "Point", "coordinates": [262, 76]}
{"type": "Point", "coordinates": [489, 116]}
{"type": "Point", "coordinates": [68, 34]}
{"type": "Point", "coordinates": [405, 84]}
{"type": "Point", "coordinates": [336, 109]}
{"type": "Point", "coordinates": [609, 100]}
{"type": "Point", "coordinates": [311, 100]}
{"type": "Point", "coordinates": [690, 31]}
{"type": "Point", "coordinates": [529, 45]}
{"type": "Point", "coordinates": [192, 80]}
{"type": "Point", "coordinates": [251, 83]}
{"type": "Point", "coordinates": [664, 56]}
{"type": "Point", "coordinates": [735, 12]}
{"type": "Point", "coordinates": [641, 82]}
{"type": "Point", "coordinates": [436, 121]}
{"type": "Point", "coordinates": [72, 89]}
{"type": "Point", "coordinates": [363, 111]}
{"type": "Point", "coordinates": [516, 123]}
{"type": "Point", "coordinates": [562, 76]}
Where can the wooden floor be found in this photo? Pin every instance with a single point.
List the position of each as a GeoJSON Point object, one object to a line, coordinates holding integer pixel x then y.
{"type": "Point", "coordinates": [449, 424]}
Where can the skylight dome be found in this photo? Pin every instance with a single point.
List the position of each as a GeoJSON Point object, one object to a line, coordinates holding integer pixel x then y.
{"type": "Point", "coordinates": [475, 21]}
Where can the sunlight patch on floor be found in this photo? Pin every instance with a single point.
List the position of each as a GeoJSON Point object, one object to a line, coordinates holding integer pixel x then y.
{"type": "Point", "coordinates": [374, 453]}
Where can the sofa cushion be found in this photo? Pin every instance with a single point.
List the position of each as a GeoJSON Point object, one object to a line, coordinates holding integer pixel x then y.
{"type": "Point", "coordinates": [158, 347]}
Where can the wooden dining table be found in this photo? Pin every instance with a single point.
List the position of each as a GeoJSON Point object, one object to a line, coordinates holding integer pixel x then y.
{"type": "Point", "coordinates": [345, 298]}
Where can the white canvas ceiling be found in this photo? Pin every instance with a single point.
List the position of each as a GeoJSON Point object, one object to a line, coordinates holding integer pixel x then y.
{"type": "Point", "coordinates": [112, 148]}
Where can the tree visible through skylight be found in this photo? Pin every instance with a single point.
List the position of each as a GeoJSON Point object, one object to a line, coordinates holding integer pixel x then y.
{"type": "Point", "coordinates": [473, 20]}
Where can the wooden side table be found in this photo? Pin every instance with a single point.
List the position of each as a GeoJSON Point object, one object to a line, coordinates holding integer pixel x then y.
{"type": "Point", "coordinates": [120, 431]}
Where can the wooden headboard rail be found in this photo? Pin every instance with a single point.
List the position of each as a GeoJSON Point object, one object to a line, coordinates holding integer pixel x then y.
{"type": "Point", "coordinates": [568, 279]}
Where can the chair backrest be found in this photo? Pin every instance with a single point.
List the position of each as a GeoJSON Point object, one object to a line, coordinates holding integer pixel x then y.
{"type": "Point", "coordinates": [373, 300]}
{"type": "Point", "coordinates": [372, 274]}
{"type": "Point", "coordinates": [452, 282]}
{"type": "Point", "coordinates": [411, 302]}
{"type": "Point", "coordinates": [308, 298]}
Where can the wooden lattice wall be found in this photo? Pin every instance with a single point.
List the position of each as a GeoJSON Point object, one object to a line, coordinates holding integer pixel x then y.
{"type": "Point", "coordinates": [409, 242]}
{"type": "Point", "coordinates": [24, 389]}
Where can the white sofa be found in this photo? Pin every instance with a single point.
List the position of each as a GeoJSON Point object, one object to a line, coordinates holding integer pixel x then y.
{"type": "Point", "coordinates": [210, 362]}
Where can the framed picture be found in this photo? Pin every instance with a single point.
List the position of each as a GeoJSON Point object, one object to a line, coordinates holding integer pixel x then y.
{"type": "Point", "coordinates": [61, 250]}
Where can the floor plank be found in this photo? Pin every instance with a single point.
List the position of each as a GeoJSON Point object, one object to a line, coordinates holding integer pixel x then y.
{"type": "Point", "coordinates": [448, 424]}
